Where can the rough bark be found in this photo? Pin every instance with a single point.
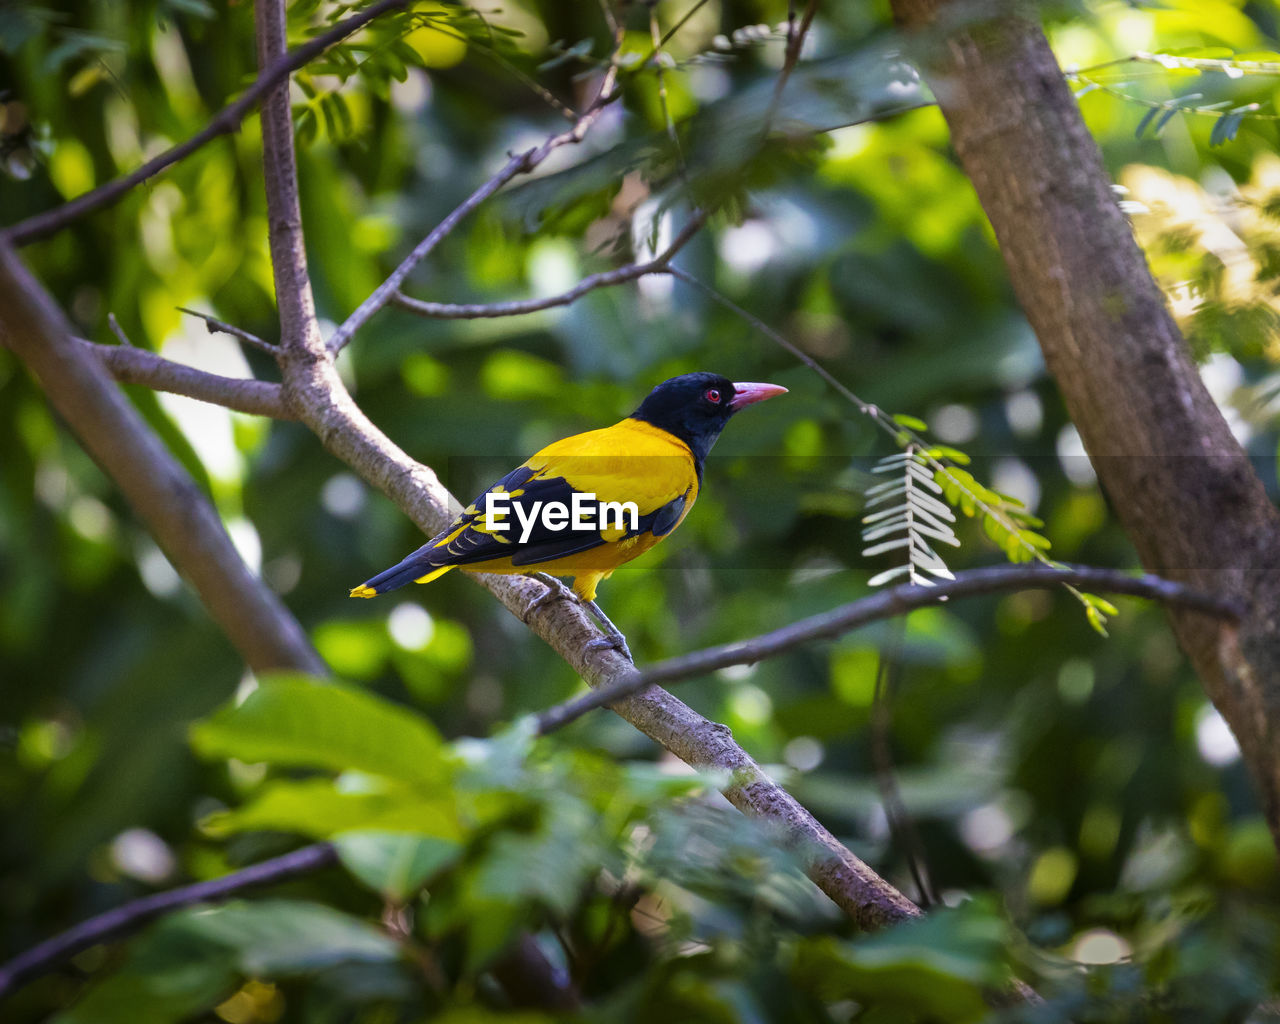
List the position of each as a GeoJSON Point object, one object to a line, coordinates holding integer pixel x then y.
{"type": "Point", "coordinates": [1181, 485]}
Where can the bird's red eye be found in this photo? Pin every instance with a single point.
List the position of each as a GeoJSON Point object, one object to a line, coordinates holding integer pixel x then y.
{"type": "Point", "coordinates": [712, 395]}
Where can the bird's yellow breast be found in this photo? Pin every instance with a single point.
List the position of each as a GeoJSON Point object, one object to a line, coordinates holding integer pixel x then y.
{"type": "Point", "coordinates": [629, 461]}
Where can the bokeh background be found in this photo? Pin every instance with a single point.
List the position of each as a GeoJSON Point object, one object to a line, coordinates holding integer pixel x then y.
{"type": "Point", "coordinates": [1083, 787]}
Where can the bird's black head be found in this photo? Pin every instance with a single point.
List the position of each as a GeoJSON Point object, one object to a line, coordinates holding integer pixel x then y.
{"type": "Point", "coordinates": [696, 406]}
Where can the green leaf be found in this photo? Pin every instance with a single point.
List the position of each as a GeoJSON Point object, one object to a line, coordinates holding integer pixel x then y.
{"type": "Point", "coordinates": [579, 50]}
{"type": "Point", "coordinates": [1034, 540]}
{"type": "Point", "coordinates": [1227, 125]}
{"type": "Point", "coordinates": [1163, 123]}
{"type": "Point", "coordinates": [942, 451]}
{"type": "Point", "coordinates": [275, 937]}
{"type": "Point", "coordinates": [395, 865]}
{"type": "Point", "coordinates": [1096, 610]}
{"type": "Point", "coordinates": [997, 531]}
{"type": "Point", "coordinates": [647, 782]}
{"type": "Point", "coordinates": [292, 720]}
{"type": "Point", "coordinates": [196, 8]}
{"type": "Point", "coordinates": [1102, 604]}
{"type": "Point", "coordinates": [168, 977]}
{"type": "Point", "coordinates": [912, 422]}
{"type": "Point", "coordinates": [547, 866]}
{"type": "Point", "coordinates": [1096, 620]}
{"type": "Point", "coordinates": [315, 808]}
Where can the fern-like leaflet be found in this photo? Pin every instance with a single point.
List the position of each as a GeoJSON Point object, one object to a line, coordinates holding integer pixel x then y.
{"type": "Point", "coordinates": [910, 518]}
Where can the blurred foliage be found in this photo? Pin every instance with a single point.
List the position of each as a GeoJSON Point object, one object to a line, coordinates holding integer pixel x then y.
{"type": "Point", "coordinates": [1081, 808]}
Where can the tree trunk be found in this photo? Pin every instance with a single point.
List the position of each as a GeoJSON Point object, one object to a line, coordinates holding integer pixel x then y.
{"type": "Point", "coordinates": [1184, 490]}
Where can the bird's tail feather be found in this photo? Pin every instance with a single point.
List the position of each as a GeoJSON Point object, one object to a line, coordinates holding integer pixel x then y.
{"type": "Point", "coordinates": [417, 568]}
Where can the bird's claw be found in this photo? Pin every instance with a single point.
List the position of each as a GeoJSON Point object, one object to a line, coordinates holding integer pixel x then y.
{"type": "Point", "coordinates": [614, 641]}
{"type": "Point", "coordinates": [556, 591]}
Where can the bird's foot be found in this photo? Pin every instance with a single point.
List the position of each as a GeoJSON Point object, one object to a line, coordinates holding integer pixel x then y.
{"type": "Point", "coordinates": [556, 591]}
{"type": "Point", "coordinates": [612, 639]}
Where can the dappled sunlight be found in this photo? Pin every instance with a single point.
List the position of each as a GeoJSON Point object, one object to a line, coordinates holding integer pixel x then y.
{"type": "Point", "coordinates": [916, 763]}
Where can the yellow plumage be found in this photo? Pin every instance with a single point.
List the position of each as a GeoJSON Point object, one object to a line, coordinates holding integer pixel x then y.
{"type": "Point", "coordinates": [631, 461]}
{"type": "Point", "coordinates": [651, 463]}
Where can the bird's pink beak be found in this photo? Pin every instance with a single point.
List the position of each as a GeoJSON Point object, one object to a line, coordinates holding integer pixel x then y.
{"type": "Point", "coordinates": [746, 393]}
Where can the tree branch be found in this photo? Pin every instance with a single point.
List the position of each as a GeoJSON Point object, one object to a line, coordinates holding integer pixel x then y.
{"type": "Point", "coordinates": [314, 389]}
{"type": "Point", "coordinates": [224, 122]}
{"type": "Point", "coordinates": [299, 331]}
{"type": "Point", "coordinates": [160, 491]}
{"type": "Point", "coordinates": [138, 366]}
{"type": "Point", "coordinates": [887, 604]}
{"type": "Point", "coordinates": [604, 279]}
{"type": "Point", "coordinates": [324, 404]}
{"type": "Point", "coordinates": [215, 326]}
{"type": "Point", "coordinates": [122, 920]}
{"type": "Point", "coordinates": [519, 163]}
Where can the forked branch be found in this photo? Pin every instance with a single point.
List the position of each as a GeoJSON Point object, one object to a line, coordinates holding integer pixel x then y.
{"type": "Point", "coordinates": [519, 163]}
{"type": "Point", "coordinates": [324, 404]}
{"type": "Point", "coordinates": [163, 495]}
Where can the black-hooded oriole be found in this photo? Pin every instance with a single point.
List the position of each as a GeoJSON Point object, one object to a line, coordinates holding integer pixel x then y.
{"type": "Point", "coordinates": [584, 505]}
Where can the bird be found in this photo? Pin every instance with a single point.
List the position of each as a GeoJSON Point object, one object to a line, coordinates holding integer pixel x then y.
{"type": "Point", "coordinates": [645, 471]}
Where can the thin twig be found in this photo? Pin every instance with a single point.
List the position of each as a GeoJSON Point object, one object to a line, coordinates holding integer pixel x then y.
{"type": "Point", "coordinates": [607, 10]}
{"type": "Point", "coordinates": [804, 357]}
{"type": "Point", "coordinates": [528, 81]}
{"type": "Point", "coordinates": [216, 326]}
{"type": "Point", "coordinates": [883, 605]}
{"type": "Point", "coordinates": [224, 122]}
{"type": "Point", "coordinates": [671, 32]}
{"type": "Point", "coordinates": [519, 163]}
{"type": "Point", "coordinates": [604, 279]}
{"type": "Point", "coordinates": [118, 331]}
{"type": "Point", "coordinates": [131, 365]}
{"type": "Point", "coordinates": [663, 100]}
{"type": "Point", "coordinates": [112, 924]}
{"type": "Point", "coordinates": [877, 416]}
{"type": "Point", "coordinates": [795, 43]}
